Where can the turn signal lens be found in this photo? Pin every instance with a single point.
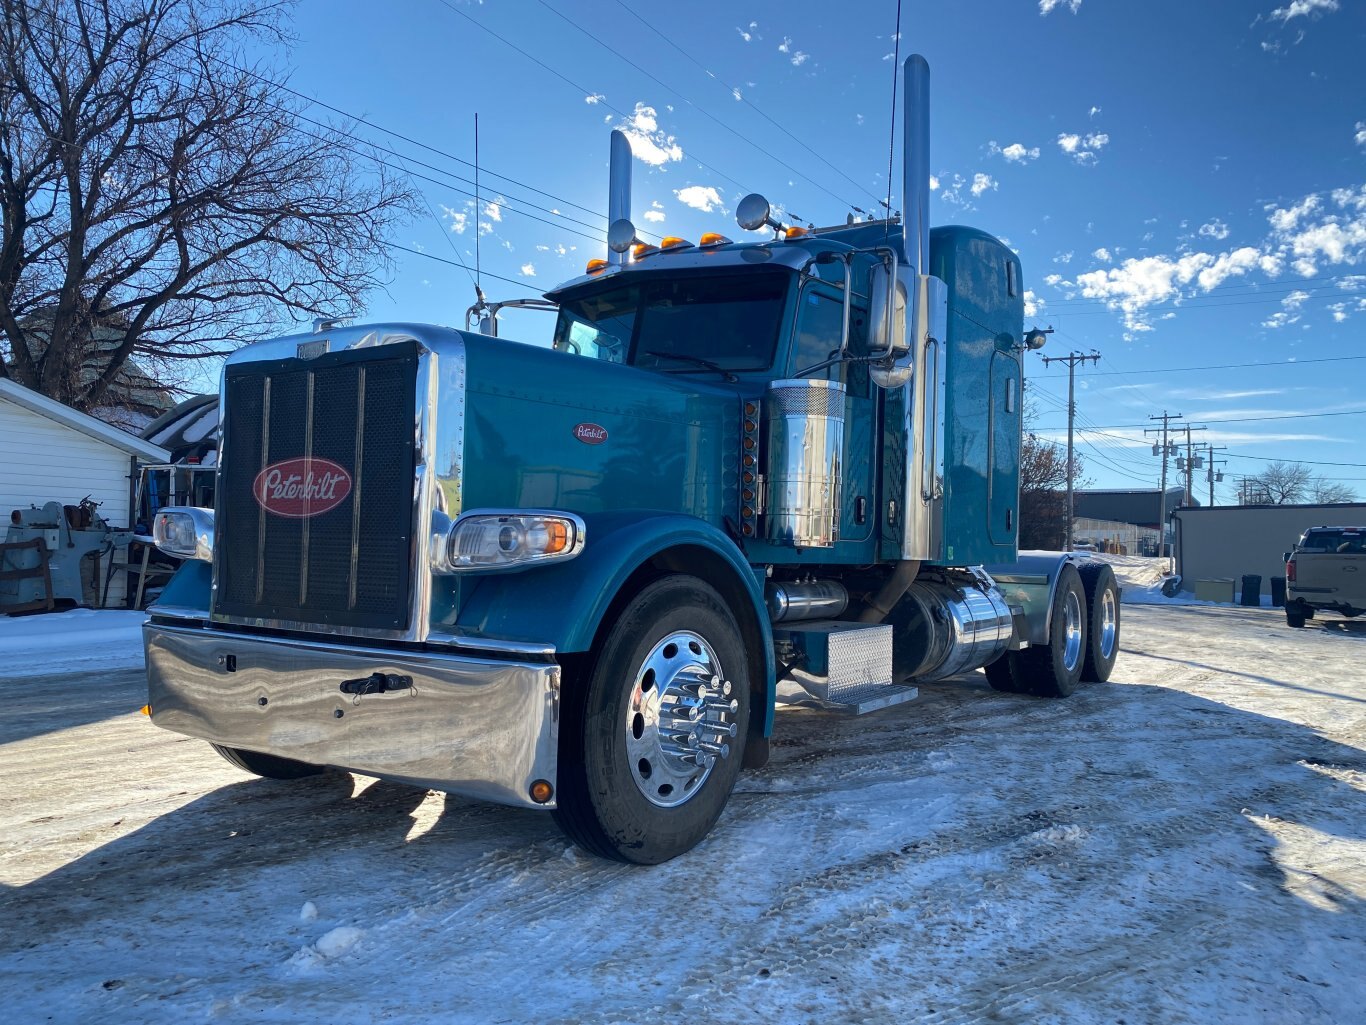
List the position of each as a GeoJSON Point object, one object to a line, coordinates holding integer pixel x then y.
{"type": "Point", "coordinates": [146, 710]}
{"type": "Point", "coordinates": [713, 238]}
{"type": "Point", "coordinates": [541, 791]}
{"type": "Point", "coordinates": [596, 265]}
{"type": "Point", "coordinates": [507, 540]}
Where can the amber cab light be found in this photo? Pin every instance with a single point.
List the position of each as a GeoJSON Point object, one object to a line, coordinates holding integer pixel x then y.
{"type": "Point", "coordinates": [674, 242]}
{"type": "Point", "coordinates": [643, 250]}
{"type": "Point", "coordinates": [796, 232]}
{"type": "Point", "coordinates": [713, 238]}
{"type": "Point", "coordinates": [596, 265]}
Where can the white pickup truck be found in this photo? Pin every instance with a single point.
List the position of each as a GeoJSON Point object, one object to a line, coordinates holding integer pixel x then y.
{"type": "Point", "coordinates": [1326, 572]}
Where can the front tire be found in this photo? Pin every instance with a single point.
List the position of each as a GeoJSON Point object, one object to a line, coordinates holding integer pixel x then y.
{"type": "Point", "coordinates": [653, 735]}
{"type": "Point", "coordinates": [268, 766]}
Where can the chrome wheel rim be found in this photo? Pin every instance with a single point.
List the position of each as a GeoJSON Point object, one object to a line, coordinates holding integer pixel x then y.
{"type": "Point", "coordinates": [1071, 652]}
{"type": "Point", "coordinates": [680, 715]}
{"type": "Point", "coordinates": [1109, 623]}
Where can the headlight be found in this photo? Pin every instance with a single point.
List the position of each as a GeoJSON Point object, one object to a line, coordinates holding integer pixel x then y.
{"type": "Point", "coordinates": [493, 540]}
{"type": "Point", "coordinates": [185, 532]}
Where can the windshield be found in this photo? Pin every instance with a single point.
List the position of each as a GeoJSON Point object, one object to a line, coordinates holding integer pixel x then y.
{"type": "Point", "coordinates": [691, 325]}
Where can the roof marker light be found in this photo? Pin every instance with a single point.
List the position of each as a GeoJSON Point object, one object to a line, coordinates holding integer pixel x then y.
{"type": "Point", "coordinates": [795, 232]}
{"type": "Point", "coordinates": [642, 250]}
{"type": "Point", "coordinates": [595, 265]}
{"type": "Point", "coordinates": [713, 238]}
{"type": "Point", "coordinates": [674, 242]}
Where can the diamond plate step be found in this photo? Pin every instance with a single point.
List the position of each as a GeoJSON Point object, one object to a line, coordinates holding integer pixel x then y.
{"type": "Point", "coordinates": [845, 665]}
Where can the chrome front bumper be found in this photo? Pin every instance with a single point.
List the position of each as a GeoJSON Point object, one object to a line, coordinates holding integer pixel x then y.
{"type": "Point", "coordinates": [476, 727]}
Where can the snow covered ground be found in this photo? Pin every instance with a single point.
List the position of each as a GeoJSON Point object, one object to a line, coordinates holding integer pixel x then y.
{"type": "Point", "coordinates": [1185, 844]}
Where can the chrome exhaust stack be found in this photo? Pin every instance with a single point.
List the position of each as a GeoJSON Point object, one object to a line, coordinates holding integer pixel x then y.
{"type": "Point", "coordinates": [915, 162]}
{"type": "Point", "coordinates": [618, 189]}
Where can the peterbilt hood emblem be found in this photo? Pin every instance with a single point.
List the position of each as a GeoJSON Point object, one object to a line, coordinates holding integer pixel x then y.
{"type": "Point", "coordinates": [299, 488]}
{"type": "Point", "coordinates": [590, 434]}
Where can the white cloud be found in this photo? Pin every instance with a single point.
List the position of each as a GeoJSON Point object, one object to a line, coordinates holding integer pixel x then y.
{"type": "Point", "coordinates": [799, 58]}
{"type": "Point", "coordinates": [1103, 255]}
{"type": "Point", "coordinates": [1294, 300]}
{"type": "Point", "coordinates": [1301, 8]}
{"type": "Point", "coordinates": [1064, 257]}
{"type": "Point", "coordinates": [648, 142]}
{"type": "Point", "coordinates": [493, 211]}
{"type": "Point", "coordinates": [1033, 305]}
{"type": "Point", "coordinates": [1015, 153]}
{"type": "Point", "coordinates": [1046, 7]}
{"type": "Point", "coordinates": [459, 220]}
{"type": "Point", "coordinates": [594, 98]}
{"type": "Point", "coordinates": [737, 94]}
{"type": "Point", "coordinates": [934, 183]}
{"type": "Point", "coordinates": [982, 182]}
{"type": "Point", "coordinates": [1093, 112]}
{"type": "Point", "coordinates": [1281, 319]}
{"type": "Point", "coordinates": [1339, 311]}
{"type": "Point", "coordinates": [654, 216]}
{"type": "Point", "coordinates": [1361, 133]}
{"type": "Point", "coordinates": [699, 197]}
{"type": "Point", "coordinates": [785, 46]}
{"type": "Point", "coordinates": [1083, 148]}
{"type": "Point", "coordinates": [1215, 229]}
{"type": "Point", "coordinates": [1312, 232]}
{"type": "Point", "coordinates": [528, 271]}
{"type": "Point", "coordinates": [744, 34]}
{"type": "Point", "coordinates": [858, 119]}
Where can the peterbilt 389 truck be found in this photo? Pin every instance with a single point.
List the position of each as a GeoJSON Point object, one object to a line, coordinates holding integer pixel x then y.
{"type": "Point", "coordinates": [572, 578]}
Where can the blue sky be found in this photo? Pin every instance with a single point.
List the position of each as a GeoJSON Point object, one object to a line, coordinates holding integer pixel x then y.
{"type": "Point", "coordinates": [1184, 180]}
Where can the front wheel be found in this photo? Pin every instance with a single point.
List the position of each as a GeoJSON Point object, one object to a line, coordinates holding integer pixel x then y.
{"type": "Point", "coordinates": [268, 766]}
{"type": "Point", "coordinates": [653, 736]}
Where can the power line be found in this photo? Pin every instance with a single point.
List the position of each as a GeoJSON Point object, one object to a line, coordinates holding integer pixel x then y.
{"type": "Point", "coordinates": [1235, 420]}
{"type": "Point", "coordinates": [787, 132]}
{"type": "Point", "coordinates": [564, 78]}
{"type": "Point", "coordinates": [1282, 364]}
{"type": "Point", "coordinates": [690, 102]}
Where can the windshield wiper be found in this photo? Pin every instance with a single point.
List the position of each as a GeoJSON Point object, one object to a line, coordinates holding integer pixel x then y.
{"type": "Point", "coordinates": [706, 364]}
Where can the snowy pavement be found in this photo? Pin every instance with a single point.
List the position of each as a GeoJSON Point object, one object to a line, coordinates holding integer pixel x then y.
{"type": "Point", "coordinates": [1185, 844]}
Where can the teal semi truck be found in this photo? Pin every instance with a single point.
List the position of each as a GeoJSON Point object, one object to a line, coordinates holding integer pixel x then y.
{"type": "Point", "coordinates": [571, 578]}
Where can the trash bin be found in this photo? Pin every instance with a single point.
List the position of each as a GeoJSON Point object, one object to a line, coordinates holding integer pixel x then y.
{"type": "Point", "coordinates": [1278, 592]}
{"type": "Point", "coordinates": [1252, 590]}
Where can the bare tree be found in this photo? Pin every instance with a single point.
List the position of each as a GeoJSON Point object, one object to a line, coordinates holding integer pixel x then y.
{"type": "Point", "coordinates": [1281, 483]}
{"type": "Point", "coordinates": [159, 191]}
{"type": "Point", "coordinates": [1043, 489]}
{"type": "Point", "coordinates": [1326, 492]}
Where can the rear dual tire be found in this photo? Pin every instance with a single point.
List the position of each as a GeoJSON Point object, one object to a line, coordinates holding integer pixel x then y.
{"type": "Point", "coordinates": [1055, 669]}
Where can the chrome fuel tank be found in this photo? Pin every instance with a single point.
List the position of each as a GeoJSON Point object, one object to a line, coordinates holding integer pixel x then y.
{"type": "Point", "coordinates": [804, 427]}
{"type": "Point", "coordinates": [944, 627]}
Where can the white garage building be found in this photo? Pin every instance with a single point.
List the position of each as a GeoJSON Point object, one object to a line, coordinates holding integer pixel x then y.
{"type": "Point", "coordinates": [49, 452]}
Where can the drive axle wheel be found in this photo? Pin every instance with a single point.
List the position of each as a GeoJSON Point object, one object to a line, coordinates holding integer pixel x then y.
{"type": "Point", "coordinates": [1054, 669]}
{"type": "Point", "coordinates": [652, 739]}
{"type": "Point", "coordinates": [1102, 606]}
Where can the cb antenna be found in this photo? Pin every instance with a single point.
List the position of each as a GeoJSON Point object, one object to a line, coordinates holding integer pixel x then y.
{"type": "Point", "coordinates": [478, 212]}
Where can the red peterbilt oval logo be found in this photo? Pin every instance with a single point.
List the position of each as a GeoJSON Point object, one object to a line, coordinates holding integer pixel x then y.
{"type": "Point", "coordinates": [590, 434]}
{"type": "Point", "coordinates": [300, 488]}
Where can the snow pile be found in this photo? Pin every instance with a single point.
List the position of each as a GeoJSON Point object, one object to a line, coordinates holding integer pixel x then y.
{"type": "Point", "coordinates": [327, 947]}
{"type": "Point", "coordinates": [1142, 580]}
{"type": "Point", "coordinates": [64, 641]}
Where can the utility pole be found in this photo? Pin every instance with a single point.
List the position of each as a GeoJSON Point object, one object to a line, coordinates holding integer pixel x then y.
{"type": "Point", "coordinates": [1191, 466]}
{"type": "Point", "coordinates": [1071, 359]}
{"type": "Point", "coordinates": [1210, 475]}
{"type": "Point", "coordinates": [1167, 449]}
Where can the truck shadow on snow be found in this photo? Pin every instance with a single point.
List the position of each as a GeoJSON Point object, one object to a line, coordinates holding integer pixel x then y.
{"type": "Point", "coordinates": [45, 703]}
{"type": "Point", "coordinates": [1133, 757]}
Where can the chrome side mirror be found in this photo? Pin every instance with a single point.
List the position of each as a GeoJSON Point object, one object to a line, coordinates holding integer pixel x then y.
{"type": "Point", "coordinates": [754, 212]}
{"type": "Point", "coordinates": [1035, 338]}
{"type": "Point", "coordinates": [621, 235]}
{"type": "Point", "coordinates": [887, 313]}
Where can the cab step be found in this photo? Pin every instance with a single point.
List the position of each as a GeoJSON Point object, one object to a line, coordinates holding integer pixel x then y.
{"type": "Point", "coordinates": [846, 666]}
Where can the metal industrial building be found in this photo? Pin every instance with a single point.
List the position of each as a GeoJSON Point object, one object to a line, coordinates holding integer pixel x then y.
{"type": "Point", "coordinates": [1230, 541]}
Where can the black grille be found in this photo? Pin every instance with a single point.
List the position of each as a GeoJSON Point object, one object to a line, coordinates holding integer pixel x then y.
{"type": "Point", "coordinates": [279, 556]}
